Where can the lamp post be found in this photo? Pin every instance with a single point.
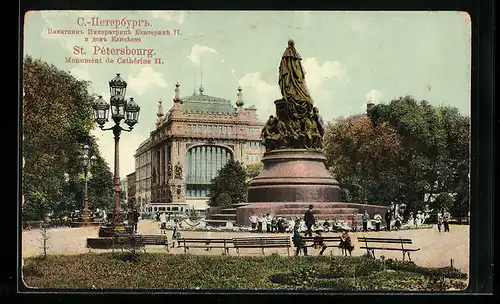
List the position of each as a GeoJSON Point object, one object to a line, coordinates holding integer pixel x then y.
{"type": "Point", "coordinates": [120, 110]}
{"type": "Point", "coordinates": [86, 161]}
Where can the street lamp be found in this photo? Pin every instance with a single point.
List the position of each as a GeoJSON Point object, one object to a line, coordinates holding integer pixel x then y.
{"type": "Point", "coordinates": [86, 161]}
{"type": "Point", "coordinates": [120, 109]}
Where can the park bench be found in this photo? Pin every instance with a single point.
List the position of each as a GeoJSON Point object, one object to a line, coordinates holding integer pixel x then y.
{"type": "Point", "coordinates": [388, 244]}
{"type": "Point", "coordinates": [127, 242]}
{"type": "Point", "coordinates": [109, 242]}
{"type": "Point", "coordinates": [262, 242]}
{"type": "Point", "coordinates": [207, 243]}
{"type": "Point", "coordinates": [330, 241]}
{"type": "Point", "coordinates": [145, 240]}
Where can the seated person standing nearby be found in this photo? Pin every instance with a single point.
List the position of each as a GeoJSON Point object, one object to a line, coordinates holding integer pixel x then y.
{"type": "Point", "coordinates": [326, 225]}
{"type": "Point", "coordinates": [319, 241]}
{"type": "Point", "coordinates": [346, 243]}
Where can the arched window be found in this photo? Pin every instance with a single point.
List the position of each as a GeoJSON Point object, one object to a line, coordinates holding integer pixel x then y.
{"type": "Point", "coordinates": [203, 164]}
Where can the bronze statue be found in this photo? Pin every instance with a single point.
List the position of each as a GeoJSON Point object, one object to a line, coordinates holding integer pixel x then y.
{"type": "Point", "coordinates": [297, 124]}
{"type": "Point", "coordinates": [292, 82]}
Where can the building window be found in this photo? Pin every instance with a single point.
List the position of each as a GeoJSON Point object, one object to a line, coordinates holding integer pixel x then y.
{"type": "Point", "coordinates": [202, 165]}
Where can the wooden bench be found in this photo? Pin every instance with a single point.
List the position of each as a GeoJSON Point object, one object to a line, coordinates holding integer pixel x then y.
{"type": "Point", "coordinates": [330, 241]}
{"type": "Point", "coordinates": [160, 240]}
{"type": "Point", "coordinates": [127, 242]}
{"type": "Point", "coordinates": [262, 242]}
{"type": "Point", "coordinates": [368, 241]}
{"type": "Point", "coordinates": [207, 243]}
{"type": "Point", "coordinates": [109, 242]}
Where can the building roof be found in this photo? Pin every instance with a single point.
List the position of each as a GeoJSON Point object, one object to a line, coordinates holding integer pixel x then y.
{"type": "Point", "coordinates": [200, 103]}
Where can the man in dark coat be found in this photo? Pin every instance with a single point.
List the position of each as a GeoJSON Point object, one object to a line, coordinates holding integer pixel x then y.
{"type": "Point", "coordinates": [135, 219]}
{"type": "Point", "coordinates": [388, 218]}
{"type": "Point", "coordinates": [309, 220]}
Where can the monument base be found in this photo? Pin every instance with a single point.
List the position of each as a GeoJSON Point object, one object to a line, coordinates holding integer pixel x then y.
{"type": "Point", "coordinates": [321, 210]}
{"type": "Point", "coordinates": [294, 175]}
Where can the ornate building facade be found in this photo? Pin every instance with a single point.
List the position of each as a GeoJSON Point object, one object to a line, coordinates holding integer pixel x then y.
{"type": "Point", "coordinates": [131, 190]}
{"type": "Point", "coordinates": [190, 143]}
{"type": "Point", "coordinates": [143, 175]}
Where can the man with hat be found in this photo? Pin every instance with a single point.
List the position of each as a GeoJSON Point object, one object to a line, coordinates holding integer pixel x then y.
{"type": "Point", "coordinates": [388, 218]}
{"type": "Point", "coordinates": [309, 220]}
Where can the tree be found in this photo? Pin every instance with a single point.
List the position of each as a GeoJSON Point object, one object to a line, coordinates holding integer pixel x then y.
{"type": "Point", "coordinates": [253, 170]}
{"type": "Point", "coordinates": [57, 117]}
{"type": "Point", "coordinates": [229, 187]}
{"type": "Point", "coordinates": [408, 151]}
{"type": "Point", "coordinates": [352, 141]}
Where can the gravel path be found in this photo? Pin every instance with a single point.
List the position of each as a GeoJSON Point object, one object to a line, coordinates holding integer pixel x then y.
{"type": "Point", "coordinates": [436, 249]}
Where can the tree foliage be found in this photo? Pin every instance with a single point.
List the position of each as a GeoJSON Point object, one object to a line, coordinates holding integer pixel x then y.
{"type": "Point", "coordinates": [57, 118]}
{"type": "Point", "coordinates": [405, 149]}
{"type": "Point", "coordinates": [252, 170]}
{"type": "Point", "coordinates": [229, 186]}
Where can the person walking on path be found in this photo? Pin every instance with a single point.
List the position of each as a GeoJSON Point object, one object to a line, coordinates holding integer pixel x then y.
{"type": "Point", "coordinates": [163, 223]}
{"type": "Point", "coordinates": [439, 221]}
{"type": "Point", "coordinates": [388, 218]}
{"type": "Point", "coordinates": [176, 235]}
{"type": "Point", "coordinates": [378, 220]}
{"type": "Point", "coordinates": [309, 220]}
{"type": "Point", "coordinates": [446, 219]}
{"type": "Point", "coordinates": [135, 219]}
{"type": "Point", "coordinates": [365, 219]}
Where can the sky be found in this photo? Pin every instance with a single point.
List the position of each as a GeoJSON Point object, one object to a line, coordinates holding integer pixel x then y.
{"type": "Point", "coordinates": [349, 58]}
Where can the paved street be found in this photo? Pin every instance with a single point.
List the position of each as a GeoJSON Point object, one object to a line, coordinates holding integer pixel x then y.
{"type": "Point", "coordinates": [436, 249]}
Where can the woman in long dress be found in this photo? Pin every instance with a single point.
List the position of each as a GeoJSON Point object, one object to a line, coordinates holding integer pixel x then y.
{"type": "Point", "coordinates": [264, 224]}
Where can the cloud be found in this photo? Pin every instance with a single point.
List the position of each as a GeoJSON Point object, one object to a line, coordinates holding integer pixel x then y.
{"type": "Point", "coordinates": [197, 50]}
{"type": "Point", "coordinates": [317, 75]}
{"type": "Point", "coordinates": [175, 16]}
{"type": "Point", "coordinates": [259, 93]}
{"type": "Point", "coordinates": [374, 96]}
{"type": "Point", "coordinates": [145, 79]}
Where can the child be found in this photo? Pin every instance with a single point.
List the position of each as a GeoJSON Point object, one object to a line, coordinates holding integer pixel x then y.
{"type": "Point", "coordinates": [298, 242]}
{"type": "Point", "coordinates": [345, 242]}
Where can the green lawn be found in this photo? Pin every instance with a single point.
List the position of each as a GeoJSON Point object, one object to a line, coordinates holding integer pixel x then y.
{"type": "Point", "coordinates": [164, 271]}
